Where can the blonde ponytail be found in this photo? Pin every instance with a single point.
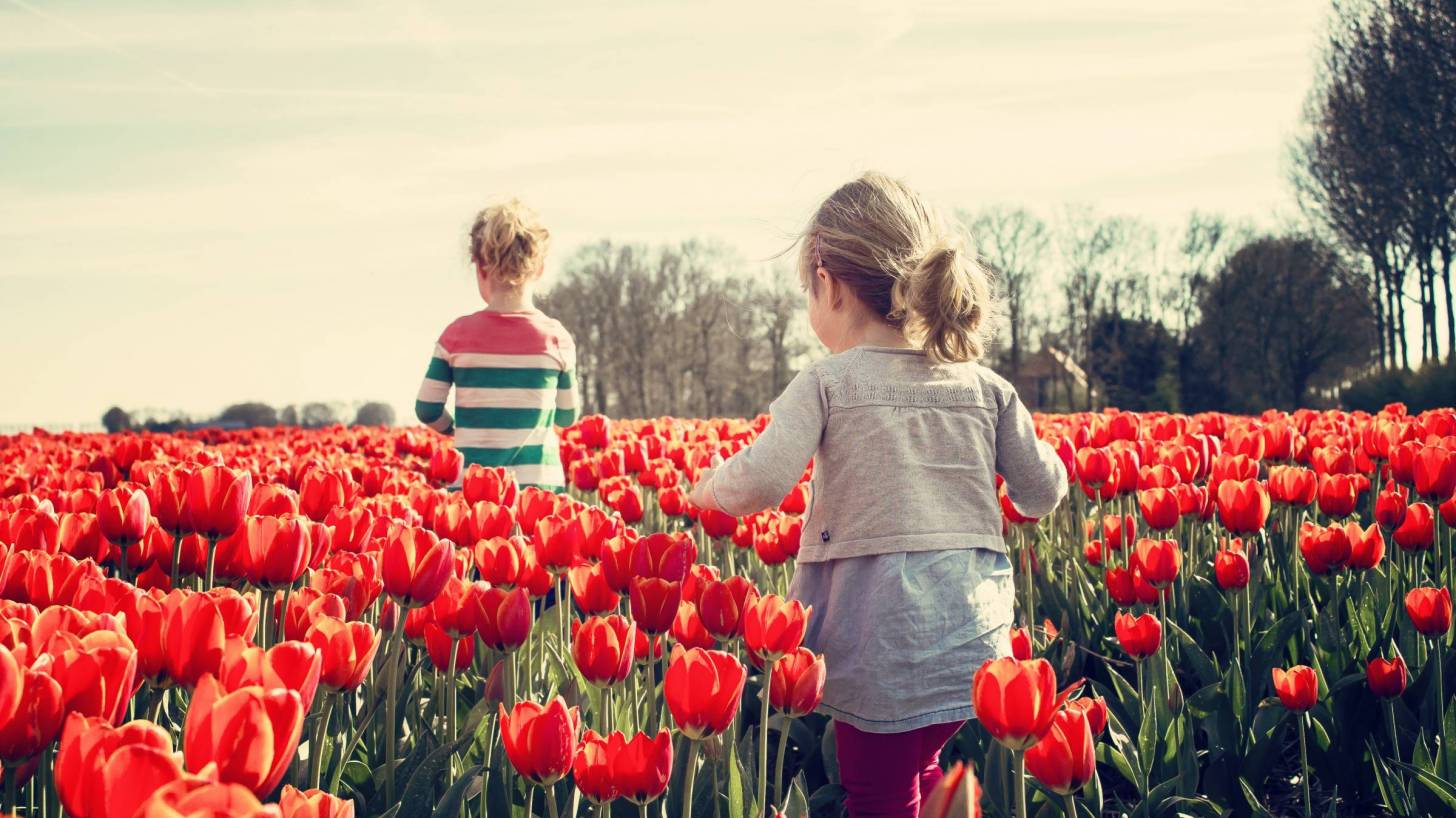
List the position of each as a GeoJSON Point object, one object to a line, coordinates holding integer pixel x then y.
{"type": "Point", "coordinates": [905, 264]}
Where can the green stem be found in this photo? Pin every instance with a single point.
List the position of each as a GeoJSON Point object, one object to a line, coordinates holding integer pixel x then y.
{"type": "Point", "coordinates": [1304, 766]}
{"type": "Point", "coordinates": [10, 804]}
{"type": "Point", "coordinates": [391, 727]}
{"type": "Point", "coordinates": [550, 798]}
{"type": "Point", "coordinates": [1020, 761]}
{"type": "Point", "coordinates": [316, 744]}
{"type": "Point", "coordinates": [690, 773]}
{"type": "Point", "coordinates": [779, 774]}
{"type": "Point", "coordinates": [211, 560]}
{"type": "Point", "coordinates": [1437, 656]}
{"type": "Point", "coordinates": [450, 724]}
{"type": "Point", "coordinates": [1390, 725]}
{"type": "Point", "coordinates": [641, 811]}
{"type": "Point", "coordinates": [763, 733]}
{"type": "Point", "coordinates": [1069, 805]}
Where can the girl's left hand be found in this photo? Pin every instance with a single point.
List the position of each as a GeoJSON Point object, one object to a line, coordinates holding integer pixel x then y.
{"type": "Point", "coordinates": [699, 495]}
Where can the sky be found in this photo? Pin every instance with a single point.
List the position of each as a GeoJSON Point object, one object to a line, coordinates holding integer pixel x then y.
{"type": "Point", "coordinates": [205, 203]}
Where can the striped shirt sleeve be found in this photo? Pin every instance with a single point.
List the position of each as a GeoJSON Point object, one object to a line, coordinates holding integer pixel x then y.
{"type": "Point", "coordinates": [430, 402]}
{"type": "Point", "coordinates": [568, 395]}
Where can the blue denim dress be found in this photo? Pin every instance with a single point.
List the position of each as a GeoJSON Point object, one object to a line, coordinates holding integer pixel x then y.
{"type": "Point", "coordinates": [902, 634]}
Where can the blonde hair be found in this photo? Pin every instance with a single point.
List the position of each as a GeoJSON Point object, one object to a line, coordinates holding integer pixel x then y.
{"type": "Point", "coordinates": [905, 263]}
{"type": "Point", "coordinates": [508, 242]}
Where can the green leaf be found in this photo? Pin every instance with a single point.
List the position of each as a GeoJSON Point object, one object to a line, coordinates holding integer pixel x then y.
{"type": "Point", "coordinates": [1438, 786]}
{"type": "Point", "coordinates": [449, 805]}
{"type": "Point", "coordinates": [1392, 789]}
{"type": "Point", "coordinates": [828, 799]}
{"type": "Point", "coordinates": [828, 750]}
{"type": "Point", "coordinates": [797, 804]}
{"type": "Point", "coordinates": [1253, 800]}
{"type": "Point", "coordinates": [735, 789]}
{"type": "Point", "coordinates": [1203, 666]}
{"type": "Point", "coordinates": [1202, 704]}
{"type": "Point", "coordinates": [419, 792]}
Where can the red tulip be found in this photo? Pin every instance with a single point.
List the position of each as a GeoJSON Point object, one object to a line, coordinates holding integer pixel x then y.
{"type": "Point", "coordinates": [96, 681]}
{"type": "Point", "coordinates": [216, 501]}
{"type": "Point", "coordinates": [346, 649]}
{"type": "Point", "coordinates": [1094, 466]}
{"type": "Point", "coordinates": [590, 590]}
{"type": "Point", "coordinates": [1292, 485]}
{"type": "Point", "coordinates": [642, 766]}
{"type": "Point", "coordinates": [1387, 678]}
{"type": "Point", "coordinates": [1298, 687]}
{"type": "Point", "coordinates": [1390, 505]}
{"type": "Point", "coordinates": [416, 564]}
{"type": "Point", "coordinates": [1065, 758]}
{"type": "Point", "coordinates": [591, 770]}
{"type": "Point", "coordinates": [502, 618]}
{"type": "Point", "coordinates": [492, 485]}
{"type": "Point", "coordinates": [438, 645]}
{"type": "Point", "coordinates": [195, 631]}
{"type": "Point", "coordinates": [1367, 546]}
{"type": "Point", "coordinates": [35, 722]}
{"type": "Point", "coordinates": [1324, 549]}
{"type": "Point", "coordinates": [1159, 507]}
{"type": "Point", "coordinates": [1015, 700]}
{"type": "Point", "coordinates": [1429, 610]}
{"type": "Point", "coordinates": [774, 627]}
{"type": "Point", "coordinates": [103, 771]}
{"type": "Point", "coordinates": [321, 491]}
{"type": "Point", "coordinates": [722, 604]}
{"type": "Point", "coordinates": [275, 550]}
{"type": "Point", "coordinates": [541, 741]}
{"type": "Point", "coordinates": [1435, 472]}
{"type": "Point", "coordinates": [305, 606]}
{"type": "Point", "coordinates": [1338, 494]}
{"type": "Point", "coordinates": [1231, 569]}
{"type": "Point", "coordinates": [603, 649]}
{"type": "Point", "coordinates": [1140, 636]}
{"type": "Point", "coordinates": [197, 797]}
{"type": "Point", "coordinates": [1121, 587]}
{"type": "Point", "coordinates": [1021, 644]}
{"type": "Point", "coordinates": [1096, 709]}
{"type": "Point", "coordinates": [797, 684]}
{"type": "Point", "coordinates": [703, 689]}
{"type": "Point", "coordinates": [290, 665]}
{"type": "Point", "coordinates": [654, 604]}
{"type": "Point", "coordinates": [1417, 532]}
{"type": "Point", "coordinates": [501, 560]}
{"type": "Point", "coordinates": [250, 734]}
{"type": "Point", "coordinates": [1243, 505]}
{"type": "Point", "coordinates": [1159, 560]}
{"type": "Point", "coordinates": [294, 803]}
{"type": "Point", "coordinates": [445, 466]}
{"type": "Point", "coordinates": [123, 515]}
{"type": "Point", "coordinates": [957, 795]}
{"type": "Point", "coordinates": [663, 556]}
{"type": "Point", "coordinates": [688, 630]}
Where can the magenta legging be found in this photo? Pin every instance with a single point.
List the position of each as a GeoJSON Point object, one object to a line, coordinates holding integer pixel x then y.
{"type": "Point", "coordinates": [886, 774]}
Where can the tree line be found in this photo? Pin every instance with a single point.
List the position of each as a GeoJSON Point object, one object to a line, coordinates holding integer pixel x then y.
{"type": "Point", "coordinates": [251, 414]}
{"type": "Point", "coordinates": [1376, 167]}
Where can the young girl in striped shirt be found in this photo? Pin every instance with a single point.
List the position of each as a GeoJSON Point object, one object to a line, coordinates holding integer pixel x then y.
{"type": "Point", "coordinates": [513, 368]}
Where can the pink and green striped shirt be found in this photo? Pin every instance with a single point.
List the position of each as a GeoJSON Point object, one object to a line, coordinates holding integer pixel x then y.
{"type": "Point", "coordinates": [514, 375]}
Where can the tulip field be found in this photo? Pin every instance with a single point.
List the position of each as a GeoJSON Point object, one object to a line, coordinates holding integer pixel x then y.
{"type": "Point", "coordinates": [1229, 615]}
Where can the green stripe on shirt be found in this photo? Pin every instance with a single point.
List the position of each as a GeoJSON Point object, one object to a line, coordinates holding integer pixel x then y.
{"type": "Point", "coordinates": [535, 454]}
{"type": "Point", "coordinates": [472, 377]}
{"type": "Point", "coordinates": [486, 417]}
{"type": "Point", "coordinates": [428, 412]}
{"type": "Point", "coordinates": [439, 370]}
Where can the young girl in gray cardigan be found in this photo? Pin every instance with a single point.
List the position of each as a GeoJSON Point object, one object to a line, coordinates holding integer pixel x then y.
{"type": "Point", "coordinates": [902, 554]}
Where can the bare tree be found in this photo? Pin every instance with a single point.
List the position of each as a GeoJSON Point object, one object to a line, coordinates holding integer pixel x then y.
{"type": "Point", "coordinates": [1013, 242]}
